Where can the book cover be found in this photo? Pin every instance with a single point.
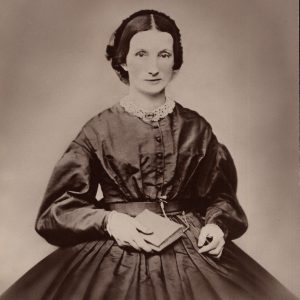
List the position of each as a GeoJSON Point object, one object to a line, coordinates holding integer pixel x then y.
{"type": "Point", "coordinates": [164, 230]}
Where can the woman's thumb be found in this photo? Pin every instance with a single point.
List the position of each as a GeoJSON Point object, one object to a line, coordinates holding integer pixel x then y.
{"type": "Point", "coordinates": [140, 227]}
{"type": "Point", "coordinates": [202, 237]}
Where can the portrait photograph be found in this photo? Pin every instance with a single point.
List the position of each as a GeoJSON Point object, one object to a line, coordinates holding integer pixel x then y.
{"type": "Point", "coordinates": [149, 150]}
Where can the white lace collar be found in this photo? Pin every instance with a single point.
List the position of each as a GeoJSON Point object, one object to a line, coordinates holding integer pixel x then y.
{"type": "Point", "coordinates": [154, 115]}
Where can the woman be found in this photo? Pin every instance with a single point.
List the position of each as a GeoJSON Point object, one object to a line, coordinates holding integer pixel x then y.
{"type": "Point", "coordinates": [146, 152]}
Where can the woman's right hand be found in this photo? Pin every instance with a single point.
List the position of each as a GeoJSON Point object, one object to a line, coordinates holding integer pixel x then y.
{"type": "Point", "coordinates": [126, 231]}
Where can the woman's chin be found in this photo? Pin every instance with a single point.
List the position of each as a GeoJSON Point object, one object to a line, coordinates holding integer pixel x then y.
{"type": "Point", "coordinates": [153, 90]}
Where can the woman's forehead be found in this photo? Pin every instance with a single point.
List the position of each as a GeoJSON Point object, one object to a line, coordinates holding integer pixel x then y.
{"type": "Point", "coordinates": [152, 39]}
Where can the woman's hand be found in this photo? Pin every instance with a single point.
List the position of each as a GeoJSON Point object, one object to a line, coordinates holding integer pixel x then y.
{"type": "Point", "coordinates": [216, 243]}
{"type": "Point", "coordinates": [126, 231]}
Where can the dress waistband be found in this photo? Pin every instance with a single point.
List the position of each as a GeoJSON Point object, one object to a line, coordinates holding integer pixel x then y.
{"type": "Point", "coordinates": [134, 208]}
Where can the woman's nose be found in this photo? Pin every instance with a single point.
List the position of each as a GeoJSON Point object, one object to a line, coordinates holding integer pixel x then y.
{"type": "Point", "coordinates": [153, 73]}
{"type": "Point", "coordinates": [152, 67]}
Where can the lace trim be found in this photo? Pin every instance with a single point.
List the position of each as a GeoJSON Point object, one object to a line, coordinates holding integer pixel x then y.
{"type": "Point", "coordinates": [154, 115]}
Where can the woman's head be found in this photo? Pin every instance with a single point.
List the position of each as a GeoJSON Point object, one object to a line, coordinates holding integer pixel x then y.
{"type": "Point", "coordinates": [144, 20]}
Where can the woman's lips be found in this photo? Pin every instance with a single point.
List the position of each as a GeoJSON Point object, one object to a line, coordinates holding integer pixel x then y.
{"type": "Point", "coordinates": [153, 80]}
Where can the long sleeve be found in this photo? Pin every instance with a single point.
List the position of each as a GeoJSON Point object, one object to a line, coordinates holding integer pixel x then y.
{"type": "Point", "coordinates": [68, 214]}
{"type": "Point", "coordinates": [217, 190]}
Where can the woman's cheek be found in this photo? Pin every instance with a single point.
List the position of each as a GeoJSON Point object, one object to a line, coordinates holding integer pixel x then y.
{"type": "Point", "coordinates": [138, 68]}
{"type": "Point", "coordinates": [166, 65]}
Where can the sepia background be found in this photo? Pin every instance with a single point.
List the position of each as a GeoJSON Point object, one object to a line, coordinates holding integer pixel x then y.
{"type": "Point", "coordinates": [240, 72]}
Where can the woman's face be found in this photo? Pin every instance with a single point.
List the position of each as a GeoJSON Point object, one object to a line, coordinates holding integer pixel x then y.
{"type": "Point", "coordinates": [150, 61]}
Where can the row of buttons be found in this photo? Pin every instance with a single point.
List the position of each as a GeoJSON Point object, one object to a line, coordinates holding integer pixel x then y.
{"type": "Point", "coordinates": [160, 162]}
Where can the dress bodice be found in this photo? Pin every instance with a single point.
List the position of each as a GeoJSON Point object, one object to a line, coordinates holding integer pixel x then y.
{"type": "Point", "coordinates": [145, 160]}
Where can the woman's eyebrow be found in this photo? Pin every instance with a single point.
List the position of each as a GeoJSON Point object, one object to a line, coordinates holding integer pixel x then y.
{"type": "Point", "coordinates": [167, 50]}
{"type": "Point", "coordinates": [139, 49]}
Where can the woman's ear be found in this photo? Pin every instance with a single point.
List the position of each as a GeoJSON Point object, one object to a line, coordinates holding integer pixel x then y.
{"type": "Point", "coordinates": [124, 66]}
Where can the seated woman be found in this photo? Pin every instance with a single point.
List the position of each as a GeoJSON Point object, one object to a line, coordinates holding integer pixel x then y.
{"type": "Point", "coordinates": [146, 152]}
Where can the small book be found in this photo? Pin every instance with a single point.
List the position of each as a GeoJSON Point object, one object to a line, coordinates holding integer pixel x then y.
{"type": "Point", "coordinates": [165, 231]}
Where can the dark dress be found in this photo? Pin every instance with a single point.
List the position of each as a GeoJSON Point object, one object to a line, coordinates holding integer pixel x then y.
{"type": "Point", "coordinates": [133, 160]}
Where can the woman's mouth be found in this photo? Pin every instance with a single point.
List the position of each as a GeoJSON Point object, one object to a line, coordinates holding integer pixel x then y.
{"type": "Point", "coordinates": [153, 80]}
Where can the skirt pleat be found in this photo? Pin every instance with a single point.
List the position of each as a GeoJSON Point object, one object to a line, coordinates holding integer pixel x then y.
{"type": "Point", "coordinates": [75, 278]}
{"type": "Point", "coordinates": [102, 270]}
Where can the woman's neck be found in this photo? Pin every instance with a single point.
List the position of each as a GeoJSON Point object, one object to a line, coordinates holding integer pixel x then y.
{"type": "Point", "coordinates": [147, 102]}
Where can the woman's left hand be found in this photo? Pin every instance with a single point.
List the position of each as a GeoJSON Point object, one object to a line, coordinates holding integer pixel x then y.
{"type": "Point", "coordinates": [216, 240]}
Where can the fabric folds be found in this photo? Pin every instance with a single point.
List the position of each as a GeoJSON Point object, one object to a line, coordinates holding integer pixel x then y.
{"type": "Point", "coordinates": [177, 157]}
{"type": "Point", "coordinates": [102, 270]}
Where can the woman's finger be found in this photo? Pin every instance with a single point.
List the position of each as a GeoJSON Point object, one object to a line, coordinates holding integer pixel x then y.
{"type": "Point", "coordinates": [142, 243]}
{"type": "Point", "coordinates": [212, 245]}
{"type": "Point", "coordinates": [202, 237]}
{"type": "Point", "coordinates": [218, 249]}
{"type": "Point", "coordinates": [133, 244]}
{"type": "Point", "coordinates": [219, 255]}
{"type": "Point", "coordinates": [142, 228]}
{"type": "Point", "coordinates": [120, 243]}
{"type": "Point", "coordinates": [128, 243]}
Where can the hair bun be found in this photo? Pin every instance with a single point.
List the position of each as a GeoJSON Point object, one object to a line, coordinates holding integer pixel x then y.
{"type": "Point", "coordinates": [109, 52]}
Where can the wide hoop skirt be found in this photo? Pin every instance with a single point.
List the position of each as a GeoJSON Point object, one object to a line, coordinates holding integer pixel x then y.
{"type": "Point", "coordinates": [102, 270]}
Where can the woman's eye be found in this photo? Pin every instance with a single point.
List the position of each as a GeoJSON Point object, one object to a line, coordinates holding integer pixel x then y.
{"type": "Point", "coordinates": [140, 54]}
{"type": "Point", "coordinates": [165, 55]}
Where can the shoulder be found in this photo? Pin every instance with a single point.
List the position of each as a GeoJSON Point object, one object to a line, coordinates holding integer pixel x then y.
{"type": "Point", "coordinates": [98, 126]}
{"type": "Point", "coordinates": [106, 115]}
{"type": "Point", "coordinates": [101, 121]}
{"type": "Point", "coordinates": [192, 118]}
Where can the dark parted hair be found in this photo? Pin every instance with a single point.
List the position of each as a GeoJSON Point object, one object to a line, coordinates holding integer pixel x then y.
{"type": "Point", "coordinates": [118, 47]}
